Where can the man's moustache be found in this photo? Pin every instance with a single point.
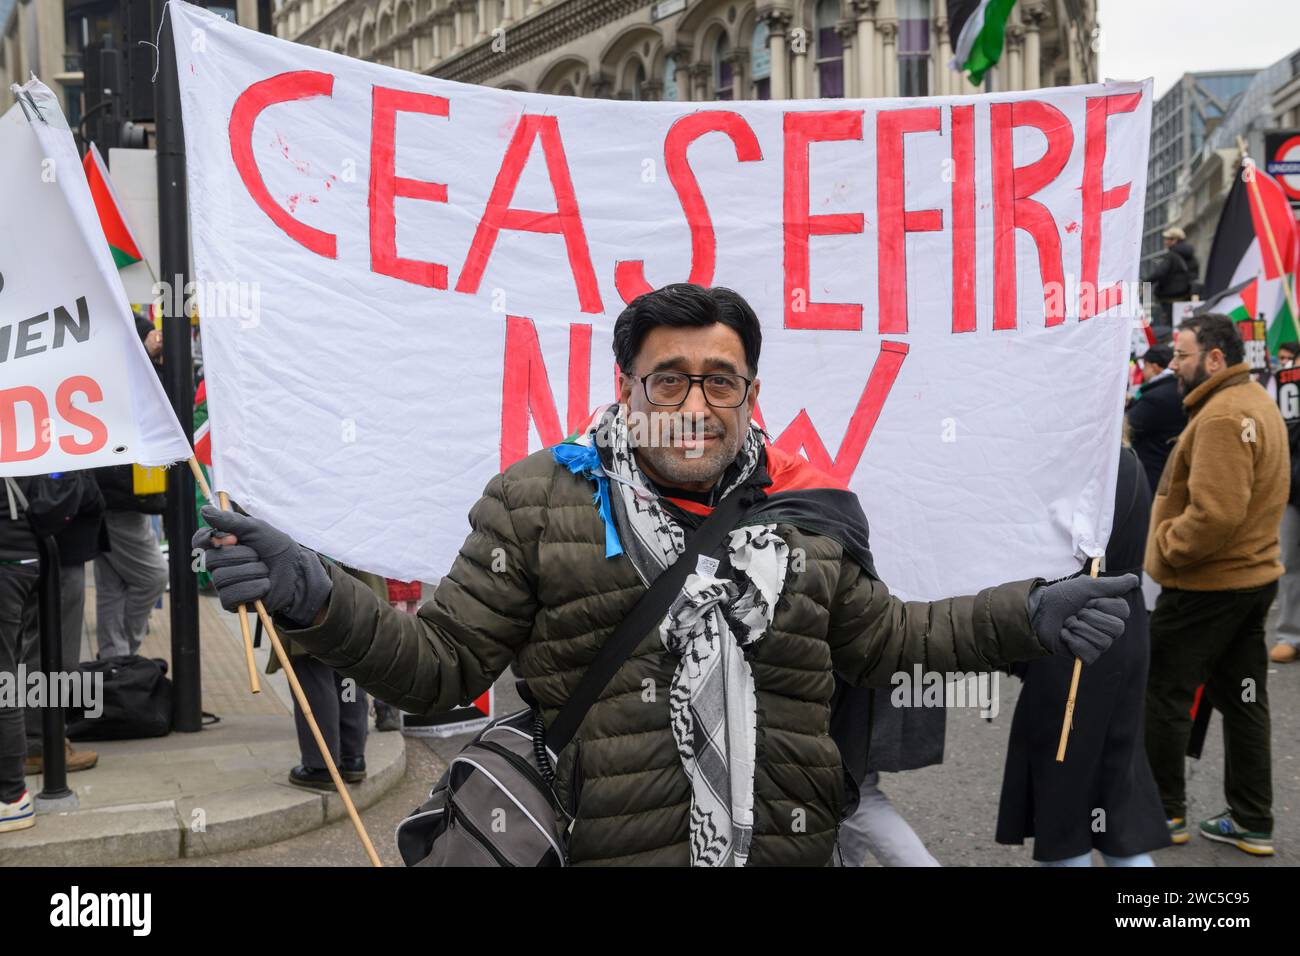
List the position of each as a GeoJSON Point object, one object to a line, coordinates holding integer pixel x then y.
{"type": "Point", "coordinates": [687, 434]}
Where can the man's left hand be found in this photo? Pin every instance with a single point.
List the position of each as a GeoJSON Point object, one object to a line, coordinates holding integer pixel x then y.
{"type": "Point", "coordinates": [1082, 616]}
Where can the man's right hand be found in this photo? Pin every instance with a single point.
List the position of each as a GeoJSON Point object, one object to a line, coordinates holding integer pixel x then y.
{"type": "Point", "coordinates": [250, 561]}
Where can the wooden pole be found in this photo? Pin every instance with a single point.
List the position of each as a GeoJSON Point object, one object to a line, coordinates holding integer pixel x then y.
{"type": "Point", "coordinates": [1074, 688]}
{"type": "Point", "coordinates": [224, 502]}
{"type": "Point", "coordinates": [299, 695]}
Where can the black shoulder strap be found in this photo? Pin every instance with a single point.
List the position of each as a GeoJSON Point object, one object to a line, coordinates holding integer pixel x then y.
{"type": "Point", "coordinates": [645, 614]}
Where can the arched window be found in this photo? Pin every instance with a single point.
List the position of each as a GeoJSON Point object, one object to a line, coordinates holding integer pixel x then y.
{"type": "Point", "coordinates": [760, 58]}
{"type": "Point", "coordinates": [638, 81]}
{"type": "Point", "coordinates": [670, 77]}
{"type": "Point", "coordinates": [830, 50]}
{"type": "Point", "coordinates": [914, 47]}
{"type": "Point", "coordinates": [723, 70]}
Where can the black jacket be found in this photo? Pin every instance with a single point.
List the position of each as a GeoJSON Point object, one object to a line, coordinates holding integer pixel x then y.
{"type": "Point", "coordinates": [1174, 272]}
{"type": "Point", "coordinates": [1105, 767]}
{"type": "Point", "coordinates": [85, 535]}
{"type": "Point", "coordinates": [68, 507]}
{"type": "Point", "coordinates": [1293, 436]}
{"type": "Point", "coordinates": [1155, 419]}
{"type": "Point", "coordinates": [117, 483]}
{"type": "Point", "coordinates": [17, 539]}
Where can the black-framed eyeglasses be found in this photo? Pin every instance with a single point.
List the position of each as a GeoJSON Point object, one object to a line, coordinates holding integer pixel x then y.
{"type": "Point", "coordinates": [670, 389]}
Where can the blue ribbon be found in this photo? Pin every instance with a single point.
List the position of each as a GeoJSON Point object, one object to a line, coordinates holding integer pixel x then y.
{"type": "Point", "coordinates": [585, 460]}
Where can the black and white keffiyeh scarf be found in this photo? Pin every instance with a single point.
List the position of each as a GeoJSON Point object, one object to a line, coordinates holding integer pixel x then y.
{"type": "Point", "coordinates": [712, 705]}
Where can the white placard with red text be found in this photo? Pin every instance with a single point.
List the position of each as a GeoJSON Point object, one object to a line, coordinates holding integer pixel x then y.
{"type": "Point", "coordinates": [418, 281]}
{"type": "Point", "coordinates": [76, 387]}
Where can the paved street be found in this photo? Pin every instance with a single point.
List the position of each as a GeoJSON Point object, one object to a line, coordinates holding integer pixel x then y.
{"type": "Point", "coordinates": [953, 807]}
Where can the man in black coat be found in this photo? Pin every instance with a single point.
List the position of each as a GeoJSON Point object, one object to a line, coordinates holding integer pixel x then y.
{"type": "Point", "coordinates": [1155, 416]}
{"type": "Point", "coordinates": [1103, 796]}
{"type": "Point", "coordinates": [1174, 274]}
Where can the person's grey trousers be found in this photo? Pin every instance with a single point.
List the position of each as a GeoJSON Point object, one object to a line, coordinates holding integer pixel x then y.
{"type": "Point", "coordinates": [1288, 588]}
{"type": "Point", "coordinates": [877, 828]}
{"type": "Point", "coordinates": [129, 578]}
{"type": "Point", "coordinates": [72, 610]}
{"type": "Point", "coordinates": [341, 711]}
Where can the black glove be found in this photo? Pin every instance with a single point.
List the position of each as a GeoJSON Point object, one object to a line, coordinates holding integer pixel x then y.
{"type": "Point", "coordinates": [1080, 617]}
{"type": "Point", "coordinates": [265, 565]}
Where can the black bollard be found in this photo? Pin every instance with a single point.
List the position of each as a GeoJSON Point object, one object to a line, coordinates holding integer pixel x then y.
{"type": "Point", "coordinates": [54, 778]}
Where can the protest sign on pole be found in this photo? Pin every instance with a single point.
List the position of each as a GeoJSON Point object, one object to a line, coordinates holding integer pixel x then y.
{"type": "Point", "coordinates": [76, 387]}
{"type": "Point", "coordinates": [407, 284]}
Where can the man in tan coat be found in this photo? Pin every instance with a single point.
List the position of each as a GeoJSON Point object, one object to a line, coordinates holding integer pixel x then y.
{"type": "Point", "coordinates": [1213, 546]}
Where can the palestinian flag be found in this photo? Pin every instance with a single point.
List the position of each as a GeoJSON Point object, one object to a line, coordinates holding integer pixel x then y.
{"type": "Point", "coordinates": [116, 230]}
{"type": "Point", "coordinates": [1244, 278]}
{"type": "Point", "coordinates": [1239, 303]}
{"type": "Point", "coordinates": [202, 427]}
{"type": "Point", "coordinates": [976, 28]}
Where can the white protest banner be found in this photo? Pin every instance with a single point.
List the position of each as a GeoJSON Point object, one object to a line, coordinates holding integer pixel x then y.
{"type": "Point", "coordinates": [76, 387]}
{"type": "Point", "coordinates": [947, 287]}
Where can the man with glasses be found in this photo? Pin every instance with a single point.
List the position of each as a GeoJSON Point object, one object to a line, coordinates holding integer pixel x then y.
{"type": "Point", "coordinates": [1213, 547]}
{"type": "Point", "coordinates": [710, 744]}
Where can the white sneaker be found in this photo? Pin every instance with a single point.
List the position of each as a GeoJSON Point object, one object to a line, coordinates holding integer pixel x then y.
{"type": "Point", "coordinates": [18, 815]}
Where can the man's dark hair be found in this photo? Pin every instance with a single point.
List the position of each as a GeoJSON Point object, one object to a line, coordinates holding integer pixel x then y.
{"type": "Point", "coordinates": [1292, 347]}
{"type": "Point", "coordinates": [1158, 355]}
{"type": "Point", "coordinates": [1214, 331]}
{"type": "Point", "coordinates": [683, 304]}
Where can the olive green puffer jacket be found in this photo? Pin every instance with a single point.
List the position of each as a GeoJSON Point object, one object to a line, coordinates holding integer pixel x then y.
{"type": "Point", "coordinates": [532, 586]}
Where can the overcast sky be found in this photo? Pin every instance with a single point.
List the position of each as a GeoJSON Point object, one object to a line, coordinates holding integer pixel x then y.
{"type": "Point", "coordinates": [1167, 38]}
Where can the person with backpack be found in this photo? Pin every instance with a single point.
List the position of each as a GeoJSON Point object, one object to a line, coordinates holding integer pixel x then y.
{"type": "Point", "coordinates": [30, 507]}
{"type": "Point", "coordinates": [1174, 275]}
{"type": "Point", "coordinates": [710, 742]}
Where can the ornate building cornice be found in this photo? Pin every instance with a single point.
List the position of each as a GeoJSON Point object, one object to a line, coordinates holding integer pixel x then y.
{"type": "Point", "coordinates": [865, 9]}
{"type": "Point", "coordinates": [549, 29]}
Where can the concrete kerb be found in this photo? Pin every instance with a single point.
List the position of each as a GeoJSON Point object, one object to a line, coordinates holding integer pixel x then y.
{"type": "Point", "coordinates": [203, 825]}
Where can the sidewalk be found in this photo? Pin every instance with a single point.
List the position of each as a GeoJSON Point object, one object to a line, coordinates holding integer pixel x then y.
{"type": "Point", "coordinates": [185, 795]}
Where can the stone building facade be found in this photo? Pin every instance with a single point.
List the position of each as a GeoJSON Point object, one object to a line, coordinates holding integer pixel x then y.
{"type": "Point", "coordinates": [696, 49]}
